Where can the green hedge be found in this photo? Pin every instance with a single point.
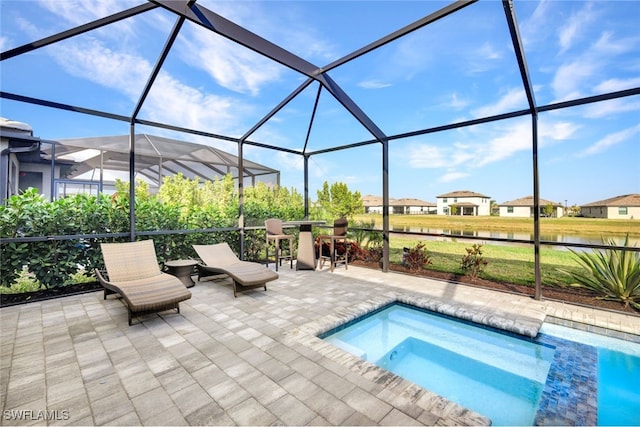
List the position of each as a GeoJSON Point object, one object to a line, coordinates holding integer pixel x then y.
{"type": "Point", "coordinates": [181, 204]}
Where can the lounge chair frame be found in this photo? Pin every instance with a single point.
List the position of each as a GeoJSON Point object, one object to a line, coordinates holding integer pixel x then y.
{"type": "Point", "coordinates": [220, 259]}
{"type": "Point", "coordinates": [132, 272]}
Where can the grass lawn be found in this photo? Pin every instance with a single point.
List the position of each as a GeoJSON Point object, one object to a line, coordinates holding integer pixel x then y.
{"type": "Point", "coordinates": [508, 263]}
{"type": "Point", "coordinates": [513, 264]}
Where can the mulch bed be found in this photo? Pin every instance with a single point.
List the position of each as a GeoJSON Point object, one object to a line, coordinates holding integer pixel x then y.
{"type": "Point", "coordinates": [7, 300]}
{"type": "Point", "coordinates": [573, 296]}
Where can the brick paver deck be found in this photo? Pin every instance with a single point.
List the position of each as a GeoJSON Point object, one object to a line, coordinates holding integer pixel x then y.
{"type": "Point", "coordinates": [251, 360]}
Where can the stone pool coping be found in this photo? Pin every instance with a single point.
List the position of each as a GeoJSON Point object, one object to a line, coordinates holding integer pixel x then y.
{"type": "Point", "coordinates": [412, 394]}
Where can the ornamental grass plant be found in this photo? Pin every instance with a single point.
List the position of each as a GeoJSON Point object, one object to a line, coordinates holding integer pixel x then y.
{"type": "Point", "coordinates": [612, 274]}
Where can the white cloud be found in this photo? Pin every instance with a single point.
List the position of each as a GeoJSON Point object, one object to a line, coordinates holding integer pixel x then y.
{"type": "Point", "coordinates": [429, 156]}
{"type": "Point", "coordinates": [169, 101]}
{"type": "Point", "coordinates": [515, 98]}
{"type": "Point", "coordinates": [413, 54]}
{"type": "Point", "coordinates": [452, 176]}
{"type": "Point", "coordinates": [549, 133]}
{"type": "Point", "coordinates": [536, 27]}
{"type": "Point", "coordinates": [456, 102]}
{"type": "Point", "coordinates": [288, 161]}
{"type": "Point", "coordinates": [501, 143]}
{"type": "Point", "coordinates": [571, 30]}
{"type": "Point", "coordinates": [571, 77]}
{"type": "Point", "coordinates": [93, 61]}
{"type": "Point", "coordinates": [29, 28]}
{"type": "Point", "coordinates": [483, 58]}
{"type": "Point", "coordinates": [230, 65]}
{"type": "Point", "coordinates": [512, 139]}
{"type": "Point", "coordinates": [607, 45]}
{"type": "Point", "coordinates": [615, 84]}
{"type": "Point", "coordinates": [79, 12]}
{"type": "Point", "coordinates": [611, 140]}
{"type": "Point", "coordinates": [374, 84]}
{"type": "Point", "coordinates": [611, 107]}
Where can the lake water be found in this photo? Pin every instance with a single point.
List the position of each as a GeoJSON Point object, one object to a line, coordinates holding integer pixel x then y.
{"type": "Point", "coordinates": [549, 237]}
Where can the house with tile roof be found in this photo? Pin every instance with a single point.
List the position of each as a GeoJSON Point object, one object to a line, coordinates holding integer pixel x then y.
{"type": "Point", "coordinates": [626, 206]}
{"type": "Point", "coordinates": [372, 204]}
{"type": "Point", "coordinates": [403, 206]}
{"type": "Point", "coordinates": [523, 208]}
{"type": "Point", "coordinates": [409, 206]}
{"type": "Point", "coordinates": [463, 203]}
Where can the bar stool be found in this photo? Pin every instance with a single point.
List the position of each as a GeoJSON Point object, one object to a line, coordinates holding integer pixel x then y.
{"type": "Point", "coordinates": [276, 236]}
{"type": "Point", "coordinates": [339, 235]}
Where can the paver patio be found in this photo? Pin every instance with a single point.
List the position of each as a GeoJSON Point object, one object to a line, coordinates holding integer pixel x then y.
{"type": "Point", "coordinates": [251, 360]}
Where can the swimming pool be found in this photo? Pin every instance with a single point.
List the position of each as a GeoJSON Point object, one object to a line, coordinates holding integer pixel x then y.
{"type": "Point", "coordinates": [552, 379]}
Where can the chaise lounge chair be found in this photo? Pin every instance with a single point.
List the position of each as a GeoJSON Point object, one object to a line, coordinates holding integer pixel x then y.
{"type": "Point", "coordinates": [220, 259]}
{"type": "Point", "coordinates": [132, 271]}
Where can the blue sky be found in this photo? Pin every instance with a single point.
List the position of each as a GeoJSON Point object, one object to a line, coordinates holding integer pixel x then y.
{"type": "Point", "coordinates": [459, 68]}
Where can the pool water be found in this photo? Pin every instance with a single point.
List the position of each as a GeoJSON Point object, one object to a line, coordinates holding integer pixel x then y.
{"type": "Point", "coordinates": [618, 374]}
{"type": "Point", "coordinates": [510, 379]}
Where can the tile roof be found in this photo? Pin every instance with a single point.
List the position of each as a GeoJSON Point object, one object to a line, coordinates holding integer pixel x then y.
{"type": "Point", "coordinates": [410, 202]}
{"type": "Point", "coordinates": [462, 193]}
{"type": "Point", "coordinates": [370, 200]}
{"type": "Point", "coordinates": [528, 201]}
{"type": "Point", "coordinates": [624, 200]}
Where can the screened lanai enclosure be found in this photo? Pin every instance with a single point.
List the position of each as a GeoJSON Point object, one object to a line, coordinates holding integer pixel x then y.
{"type": "Point", "coordinates": [156, 158]}
{"type": "Point", "coordinates": [401, 99]}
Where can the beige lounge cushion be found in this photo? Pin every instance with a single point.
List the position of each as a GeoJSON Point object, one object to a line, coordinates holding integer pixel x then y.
{"type": "Point", "coordinates": [220, 258]}
{"type": "Point", "coordinates": [133, 272]}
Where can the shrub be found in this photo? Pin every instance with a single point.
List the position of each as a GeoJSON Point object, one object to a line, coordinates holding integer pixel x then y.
{"type": "Point", "coordinates": [24, 282]}
{"type": "Point", "coordinates": [374, 254]}
{"type": "Point", "coordinates": [612, 274]}
{"type": "Point", "coordinates": [416, 258]}
{"type": "Point", "coordinates": [58, 261]}
{"type": "Point", "coordinates": [356, 252]}
{"type": "Point", "coordinates": [361, 232]}
{"type": "Point", "coordinates": [473, 263]}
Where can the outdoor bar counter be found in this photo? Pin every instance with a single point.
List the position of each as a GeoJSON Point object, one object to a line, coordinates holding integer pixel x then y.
{"type": "Point", "coordinates": [306, 257]}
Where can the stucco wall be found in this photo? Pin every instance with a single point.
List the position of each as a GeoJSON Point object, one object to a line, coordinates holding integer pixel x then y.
{"type": "Point", "coordinates": [611, 212]}
{"type": "Point", "coordinates": [518, 211]}
{"type": "Point", "coordinates": [483, 204]}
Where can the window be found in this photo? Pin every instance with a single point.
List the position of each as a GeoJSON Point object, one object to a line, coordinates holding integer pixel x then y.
{"type": "Point", "coordinates": [444, 200]}
{"type": "Point", "coordinates": [455, 200]}
{"type": "Point", "coordinates": [509, 209]}
{"type": "Point", "coordinates": [622, 210]}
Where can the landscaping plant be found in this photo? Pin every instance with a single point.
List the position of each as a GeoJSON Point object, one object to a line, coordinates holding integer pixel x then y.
{"type": "Point", "coordinates": [473, 263]}
{"type": "Point", "coordinates": [181, 204]}
{"type": "Point", "coordinates": [416, 258]}
{"type": "Point", "coordinates": [612, 274]}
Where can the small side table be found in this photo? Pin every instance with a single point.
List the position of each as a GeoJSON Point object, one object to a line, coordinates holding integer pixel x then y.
{"type": "Point", "coordinates": [182, 269]}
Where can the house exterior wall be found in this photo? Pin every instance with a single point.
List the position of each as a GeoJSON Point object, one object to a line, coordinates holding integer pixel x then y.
{"type": "Point", "coordinates": [611, 212]}
{"type": "Point", "coordinates": [44, 187]}
{"type": "Point", "coordinates": [515, 211]}
{"type": "Point", "coordinates": [594, 211]}
{"type": "Point", "coordinates": [416, 210]}
{"type": "Point", "coordinates": [623, 212]}
{"type": "Point", "coordinates": [402, 210]}
{"type": "Point", "coordinates": [527, 211]}
{"type": "Point", "coordinates": [443, 204]}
